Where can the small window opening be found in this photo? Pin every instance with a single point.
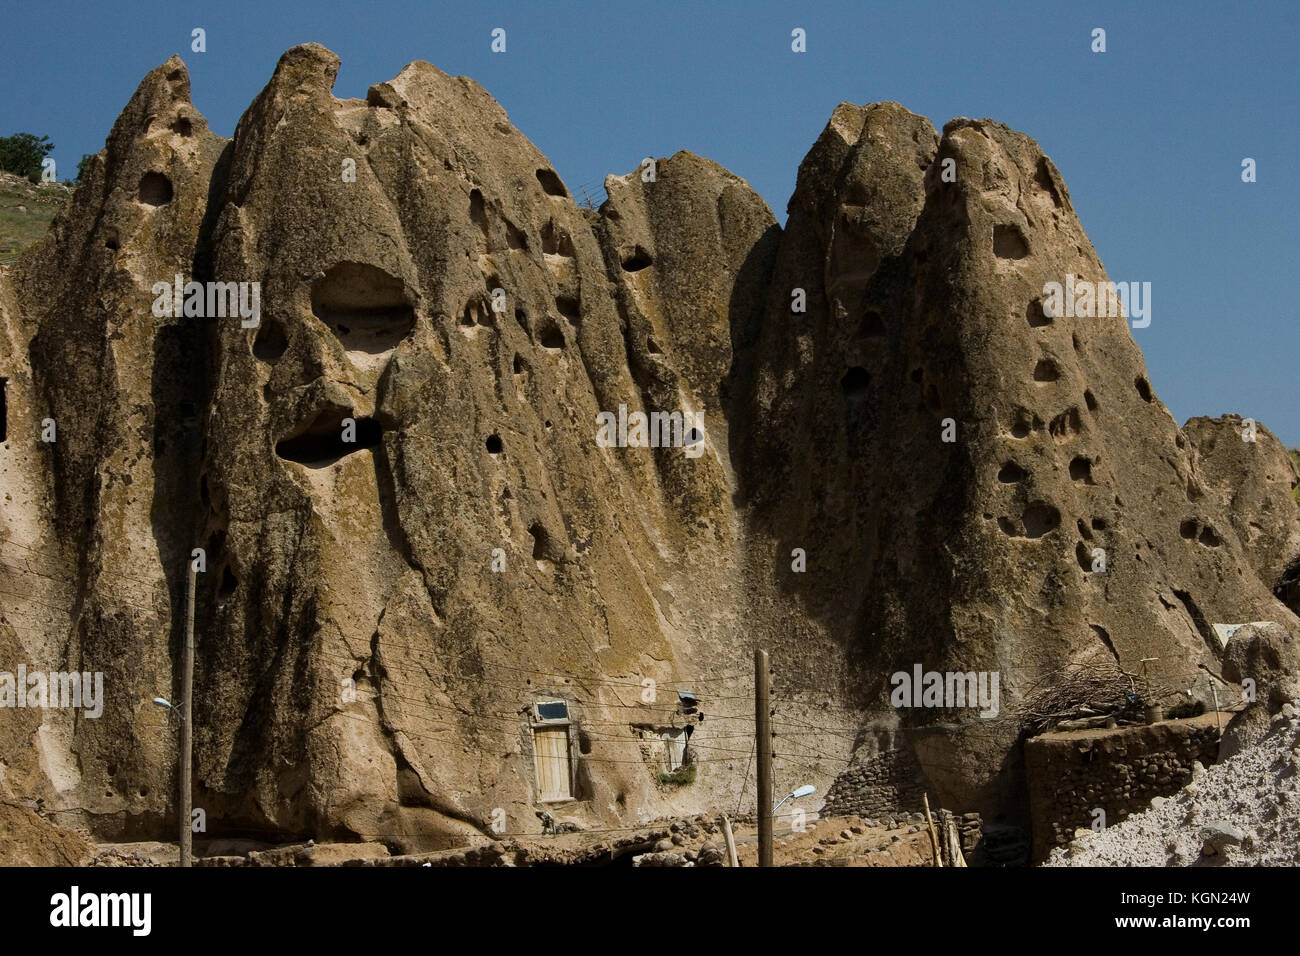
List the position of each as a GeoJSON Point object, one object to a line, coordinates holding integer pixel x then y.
{"type": "Point", "coordinates": [552, 710]}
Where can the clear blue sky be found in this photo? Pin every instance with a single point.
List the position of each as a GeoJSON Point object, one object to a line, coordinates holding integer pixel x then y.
{"type": "Point", "coordinates": [1149, 135]}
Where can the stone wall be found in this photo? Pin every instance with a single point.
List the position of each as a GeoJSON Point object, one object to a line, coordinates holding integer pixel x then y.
{"type": "Point", "coordinates": [1071, 774]}
{"type": "Point", "coordinates": [890, 783]}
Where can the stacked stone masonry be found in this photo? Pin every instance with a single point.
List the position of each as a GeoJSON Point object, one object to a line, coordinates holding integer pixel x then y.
{"type": "Point", "coordinates": [889, 783]}
{"type": "Point", "coordinates": [1071, 775]}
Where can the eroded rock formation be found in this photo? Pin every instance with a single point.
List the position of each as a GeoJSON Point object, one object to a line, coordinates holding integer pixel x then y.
{"type": "Point", "coordinates": [382, 607]}
{"type": "Point", "coordinates": [1252, 473]}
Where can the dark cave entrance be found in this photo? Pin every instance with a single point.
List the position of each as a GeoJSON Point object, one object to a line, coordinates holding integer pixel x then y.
{"type": "Point", "coordinates": [325, 440]}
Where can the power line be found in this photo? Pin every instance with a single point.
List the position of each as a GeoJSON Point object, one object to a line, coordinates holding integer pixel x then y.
{"type": "Point", "coordinates": [59, 559]}
{"type": "Point", "coordinates": [385, 677]}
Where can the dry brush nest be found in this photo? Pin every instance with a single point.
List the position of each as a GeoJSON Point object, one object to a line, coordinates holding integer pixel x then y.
{"type": "Point", "coordinates": [1099, 689]}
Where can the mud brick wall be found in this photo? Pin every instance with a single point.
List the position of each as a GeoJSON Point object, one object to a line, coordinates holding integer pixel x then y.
{"type": "Point", "coordinates": [1119, 770]}
{"type": "Point", "coordinates": [889, 783]}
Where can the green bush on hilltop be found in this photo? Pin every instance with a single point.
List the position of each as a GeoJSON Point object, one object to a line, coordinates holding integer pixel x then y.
{"type": "Point", "coordinates": [21, 154]}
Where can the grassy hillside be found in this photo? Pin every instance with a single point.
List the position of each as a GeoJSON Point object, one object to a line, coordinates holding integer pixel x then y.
{"type": "Point", "coordinates": [26, 211]}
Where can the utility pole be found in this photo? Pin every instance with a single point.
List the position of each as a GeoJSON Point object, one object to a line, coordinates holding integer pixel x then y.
{"type": "Point", "coordinates": [187, 711]}
{"type": "Point", "coordinates": [763, 746]}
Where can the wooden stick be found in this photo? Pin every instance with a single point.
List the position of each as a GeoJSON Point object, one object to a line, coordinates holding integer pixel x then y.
{"type": "Point", "coordinates": [955, 842]}
{"type": "Point", "coordinates": [934, 837]}
{"type": "Point", "coordinates": [731, 842]}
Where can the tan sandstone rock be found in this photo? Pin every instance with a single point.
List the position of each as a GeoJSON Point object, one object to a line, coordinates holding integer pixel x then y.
{"type": "Point", "coordinates": [377, 617]}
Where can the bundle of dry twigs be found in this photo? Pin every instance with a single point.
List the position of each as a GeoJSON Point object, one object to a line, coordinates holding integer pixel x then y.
{"type": "Point", "coordinates": [1094, 689]}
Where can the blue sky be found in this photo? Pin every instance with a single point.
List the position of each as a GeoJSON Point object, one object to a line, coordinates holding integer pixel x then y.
{"type": "Point", "coordinates": [1149, 135]}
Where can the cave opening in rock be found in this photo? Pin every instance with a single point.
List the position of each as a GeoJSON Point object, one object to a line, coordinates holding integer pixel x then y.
{"type": "Point", "coordinates": [556, 241]}
{"type": "Point", "coordinates": [1066, 424]}
{"type": "Point", "coordinates": [855, 382]}
{"type": "Point", "coordinates": [551, 184]}
{"type": "Point", "coordinates": [1009, 242]}
{"type": "Point", "coordinates": [155, 189]}
{"type": "Point", "coordinates": [494, 445]}
{"type": "Point", "coordinates": [1035, 315]}
{"type": "Point", "coordinates": [325, 440]}
{"type": "Point", "coordinates": [4, 409]}
{"type": "Point", "coordinates": [271, 342]}
{"type": "Point", "coordinates": [1040, 518]}
{"type": "Point", "coordinates": [569, 308]}
{"type": "Point", "coordinates": [1287, 589]}
{"type": "Point", "coordinates": [1083, 554]}
{"type": "Point", "coordinates": [550, 336]}
{"type": "Point", "coordinates": [1043, 179]}
{"type": "Point", "coordinates": [541, 541]}
{"type": "Point", "coordinates": [636, 260]}
{"type": "Point", "coordinates": [515, 238]}
{"type": "Point", "coordinates": [478, 212]}
{"type": "Point", "coordinates": [368, 309]}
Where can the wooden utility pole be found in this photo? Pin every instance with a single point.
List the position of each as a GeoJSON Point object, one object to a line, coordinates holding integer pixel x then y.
{"type": "Point", "coordinates": [187, 711]}
{"type": "Point", "coordinates": [763, 746]}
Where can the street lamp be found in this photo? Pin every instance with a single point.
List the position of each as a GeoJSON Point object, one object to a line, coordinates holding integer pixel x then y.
{"type": "Point", "coordinates": [794, 795]}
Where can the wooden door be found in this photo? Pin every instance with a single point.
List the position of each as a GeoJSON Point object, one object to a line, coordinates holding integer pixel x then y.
{"type": "Point", "coordinates": [552, 747]}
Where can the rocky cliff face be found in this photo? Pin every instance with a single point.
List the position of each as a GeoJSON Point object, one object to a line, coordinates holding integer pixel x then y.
{"type": "Point", "coordinates": [986, 552]}
{"type": "Point", "coordinates": [412, 532]}
{"type": "Point", "coordinates": [1250, 470]}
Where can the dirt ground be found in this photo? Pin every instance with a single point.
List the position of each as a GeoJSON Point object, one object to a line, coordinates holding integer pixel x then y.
{"type": "Point", "coordinates": [843, 841]}
{"type": "Point", "coordinates": [834, 841]}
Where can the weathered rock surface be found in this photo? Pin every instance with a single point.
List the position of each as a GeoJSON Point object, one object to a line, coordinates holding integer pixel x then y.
{"type": "Point", "coordinates": [377, 617]}
{"type": "Point", "coordinates": [28, 839]}
{"type": "Point", "coordinates": [1257, 481]}
{"type": "Point", "coordinates": [96, 523]}
{"type": "Point", "coordinates": [1268, 656]}
{"type": "Point", "coordinates": [925, 305]}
